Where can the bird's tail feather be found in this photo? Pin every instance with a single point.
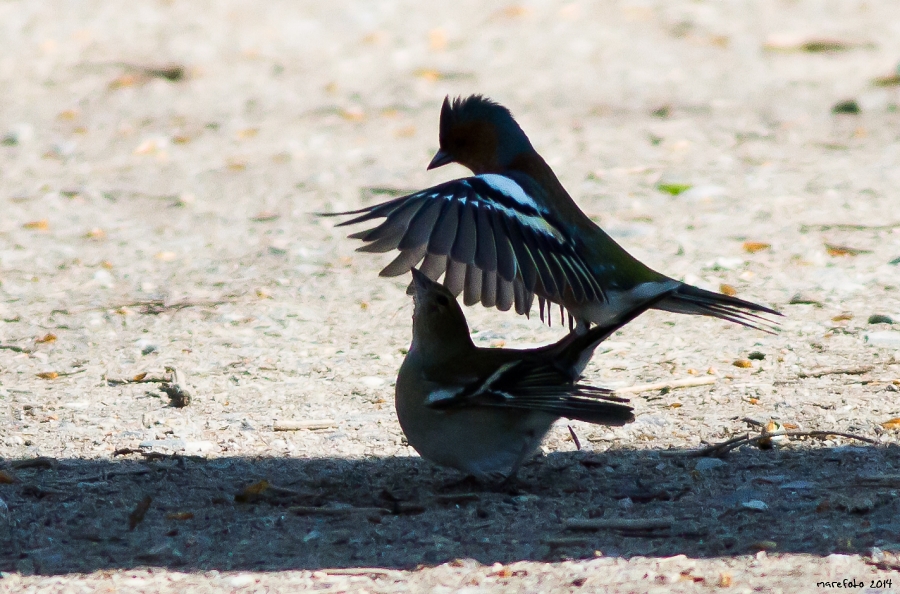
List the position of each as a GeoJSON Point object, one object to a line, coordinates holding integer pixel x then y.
{"type": "Point", "coordinates": [689, 299]}
{"type": "Point", "coordinates": [580, 402]}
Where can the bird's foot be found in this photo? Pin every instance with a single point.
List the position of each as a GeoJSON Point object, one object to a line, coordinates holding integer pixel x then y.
{"type": "Point", "coordinates": [509, 485]}
{"type": "Point", "coordinates": [466, 483]}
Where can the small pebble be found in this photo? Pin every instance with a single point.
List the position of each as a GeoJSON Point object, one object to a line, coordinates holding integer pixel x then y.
{"type": "Point", "coordinates": [880, 319]}
{"type": "Point", "coordinates": [850, 106]}
{"type": "Point", "coordinates": [708, 463]}
{"type": "Point", "coordinates": [18, 135]}
{"type": "Point", "coordinates": [803, 299]}
{"type": "Point", "coordinates": [371, 381]}
{"type": "Point", "coordinates": [756, 356]}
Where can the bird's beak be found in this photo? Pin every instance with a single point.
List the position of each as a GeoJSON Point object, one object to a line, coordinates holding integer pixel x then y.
{"type": "Point", "coordinates": [421, 284]}
{"type": "Point", "coordinates": [421, 281]}
{"type": "Point", "coordinates": [441, 158]}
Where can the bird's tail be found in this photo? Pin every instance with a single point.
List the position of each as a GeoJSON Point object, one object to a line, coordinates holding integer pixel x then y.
{"type": "Point", "coordinates": [577, 349]}
{"type": "Point", "coordinates": [593, 405]}
{"type": "Point", "coordinates": [688, 299]}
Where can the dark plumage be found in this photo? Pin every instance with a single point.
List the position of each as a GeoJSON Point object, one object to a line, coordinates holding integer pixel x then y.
{"type": "Point", "coordinates": [512, 231]}
{"type": "Point", "coordinates": [484, 411]}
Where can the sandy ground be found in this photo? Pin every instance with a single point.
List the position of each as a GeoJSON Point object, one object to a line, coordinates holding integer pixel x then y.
{"type": "Point", "coordinates": [148, 223]}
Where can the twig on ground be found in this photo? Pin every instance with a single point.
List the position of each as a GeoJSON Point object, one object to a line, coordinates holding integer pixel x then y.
{"type": "Point", "coordinates": [879, 480]}
{"type": "Point", "coordinates": [300, 425]}
{"type": "Point", "coordinates": [39, 462]}
{"type": "Point", "coordinates": [158, 306]}
{"type": "Point", "coordinates": [14, 348]}
{"type": "Point", "coordinates": [671, 385]}
{"type": "Point", "coordinates": [457, 497]}
{"type": "Point", "coordinates": [174, 384]}
{"type": "Point", "coordinates": [141, 378]}
{"type": "Point", "coordinates": [364, 571]}
{"type": "Point", "coordinates": [137, 516]}
{"type": "Point", "coordinates": [52, 375]}
{"type": "Point", "coordinates": [848, 227]}
{"type": "Point", "coordinates": [739, 438]}
{"type": "Point", "coordinates": [150, 455]}
{"type": "Point", "coordinates": [718, 450]}
{"type": "Point", "coordinates": [627, 525]}
{"type": "Point", "coordinates": [858, 370]}
{"type": "Point", "coordinates": [126, 451]}
{"type": "Point", "coordinates": [304, 510]}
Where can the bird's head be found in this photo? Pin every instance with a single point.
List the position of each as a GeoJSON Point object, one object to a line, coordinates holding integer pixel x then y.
{"type": "Point", "coordinates": [438, 321]}
{"type": "Point", "coordinates": [479, 134]}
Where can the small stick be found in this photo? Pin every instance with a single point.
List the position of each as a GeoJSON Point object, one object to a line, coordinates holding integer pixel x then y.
{"type": "Point", "coordinates": [52, 375]}
{"type": "Point", "coordinates": [157, 306]}
{"type": "Point", "coordinates": [720, 449]}
{"type": "Point", "coordinates": [671, 385]}
{"type": "Point", "coordinates": [703, 452]}
{"type": "Point", "coordinates": [848, 227]}
{"type": "Point", "coordinates": [836, 371]}
{"type": "Point", "coordinates": [882, 480]}
{"type": "Point", "coordinates": [137, 516]}
{"type": "Point", "coordinates": [620, 524]}
{"type": "Point", "coordinates": [126, 451]}
{"type": "Point", "coordinates": [304, 510]}
{"type": "Point", "coordinates": [39, 462]}
{"type": "Point", "coordinates": [14, 348]}
{"type": "Point", "coordinates": [141, 378]}
{"type": "Point", "coordinates": [160, 456]}
{"type": "Point", "coordinates": [299, 425]}
{"type": "Point", "coordinates": [456, 497]}
{"type": "Point", "coordinates": [364, 571]}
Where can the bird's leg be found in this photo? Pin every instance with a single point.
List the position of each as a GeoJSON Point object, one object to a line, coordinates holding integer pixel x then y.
{"type": "Point", "coordinates": [582, 326]}
{"type": "Point", "coordinates": [510, 481]}
{"type": "Point", "coordinates": [468, 482]}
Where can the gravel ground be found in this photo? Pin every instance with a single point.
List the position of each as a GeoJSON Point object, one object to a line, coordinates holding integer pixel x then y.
{"type": "Point", "coordinates": [159, 165]}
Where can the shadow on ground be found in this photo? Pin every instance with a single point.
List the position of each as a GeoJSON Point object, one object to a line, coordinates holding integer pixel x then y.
{"type": "Point", "coordinates": [404, 512]}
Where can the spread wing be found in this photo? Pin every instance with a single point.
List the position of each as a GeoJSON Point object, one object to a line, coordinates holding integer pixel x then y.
{"type": "Point", "coordinates": [489, 237]}
{"type": "Point", "coordinates": [523, 386]}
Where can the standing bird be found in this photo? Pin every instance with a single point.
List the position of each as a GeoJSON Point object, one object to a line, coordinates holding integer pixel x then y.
{"type": "Point", "coordinates": [511, 232]}
{"type": "Point", "coordinates": [485, 411]}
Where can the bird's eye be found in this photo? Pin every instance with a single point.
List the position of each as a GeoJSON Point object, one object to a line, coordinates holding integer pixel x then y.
{"type": "Point", "coordinates": [442, 300]}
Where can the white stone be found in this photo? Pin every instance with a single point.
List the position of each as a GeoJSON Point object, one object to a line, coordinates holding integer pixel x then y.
{"type": "Point", "coordinates": [241, 580]}
{"type": "Point", "coordinates": [888, 339]}
{"type": "Point", "coordinates": [199, 447]}
{"type": "Point", "coordinates": [370, 381]}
